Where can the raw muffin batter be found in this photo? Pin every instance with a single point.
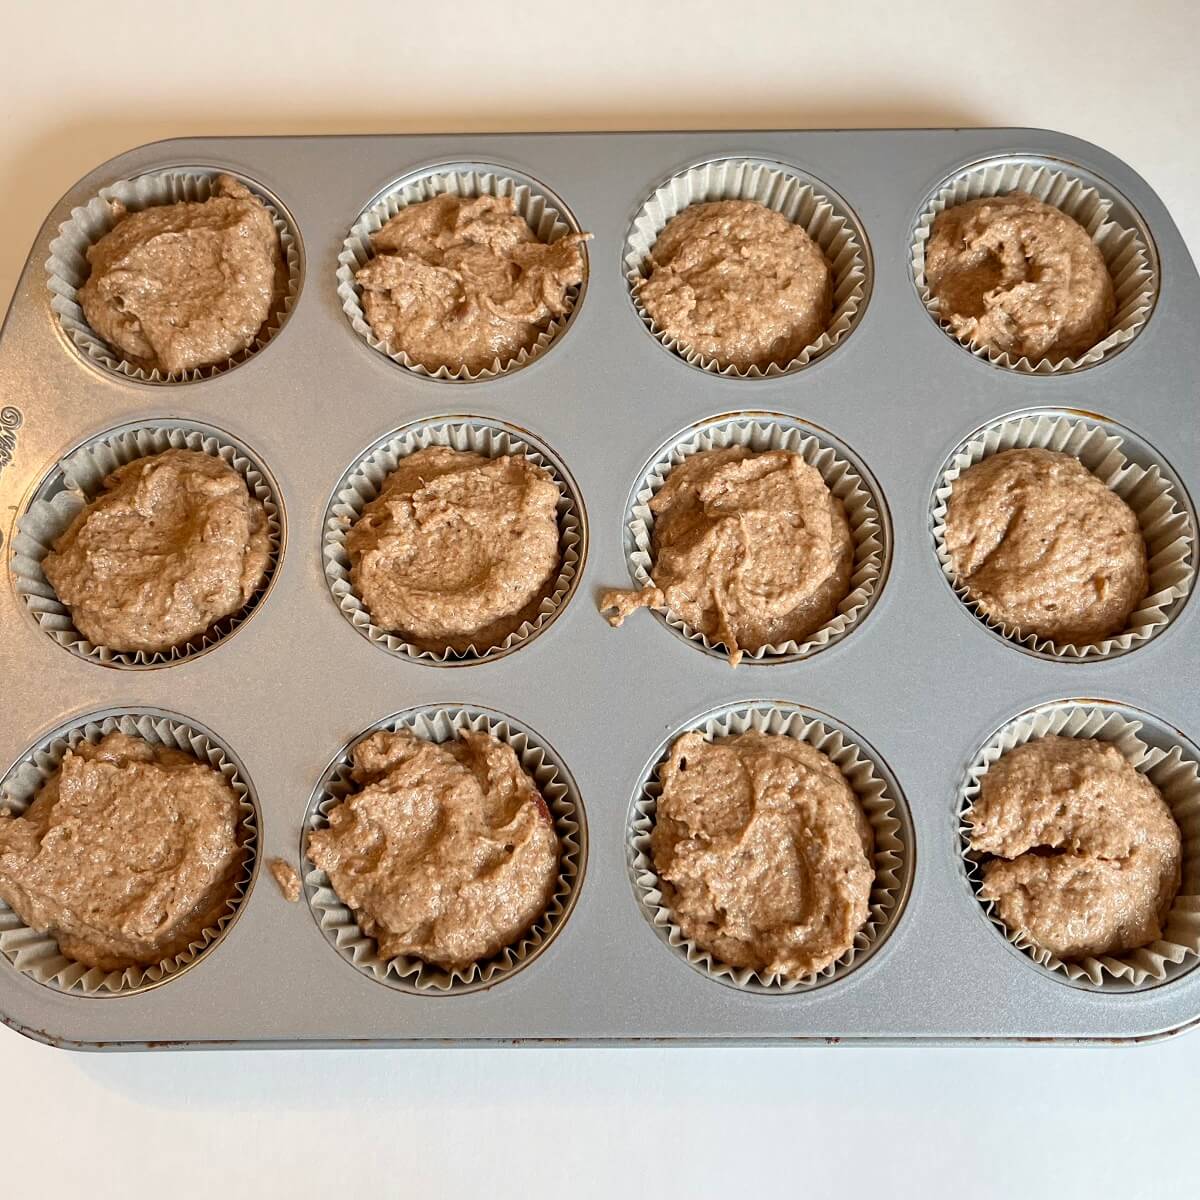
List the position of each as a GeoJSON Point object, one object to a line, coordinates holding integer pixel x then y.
{"type": "Point", "coordinates": [446, 853]}
{"type": "Point", "coordinates": [1044, 547]}
{"type": "Point", "coordinates": [173, 544]}
{"type": "Point", "coordinates": [459, 282]}
{"type": "Point", "coordinates": [764, 852]}
{"type": "Point", "coordinates": [286, 879]}
{"type": "Point", "coordinates": [185, 285]}
{"type": "Point", "coordinates": [749, 549]}
{"type": "Point", "coordinates": [457, 550]}
{"type": "Point", "coordinates": [128, 853]}
{"type": "Point", "coordinates": [736, 282]}
{"type": "Point", "coordinates": [1088, 854]}
{"type": "Point", "coordinates": [1019, 276]}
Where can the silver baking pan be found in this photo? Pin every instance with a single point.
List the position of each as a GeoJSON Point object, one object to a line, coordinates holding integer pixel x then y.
{"type": "Point", "coordinates": [919, 681]}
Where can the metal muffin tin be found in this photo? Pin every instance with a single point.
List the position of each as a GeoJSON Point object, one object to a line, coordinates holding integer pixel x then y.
{"type": "Point", "coordinates": [920, 678]}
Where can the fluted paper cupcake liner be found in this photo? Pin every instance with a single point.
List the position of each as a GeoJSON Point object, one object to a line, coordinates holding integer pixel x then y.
{"type": "Point", "coordinates": [37, 954]}
{"type": "Point", "coordinates": [364, 482]}
{"type": "Point", "coordinates": [823, 215]}
{"type": "Point", "coordinates": [860, 498]}
{"type": "Point", "coordinates": [337, 920]}
{"type": "Point", "coordinates": [545, 214]}
{"type": "Point", "coordinates": [1176, 776]}
{"type": "Point", "coordinates": [1125, 246]}
{"type": "Point", "coordinates": [68, 268]}
{"type": "Point", "coordinates": [1165, 524]}
{"type": "Point", "coordinates": [80, 479]}
{"type": "Point", "coordinates": [881, 803]}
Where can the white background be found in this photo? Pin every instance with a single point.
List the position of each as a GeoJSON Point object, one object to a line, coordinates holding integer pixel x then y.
{"type": "Point", "coordinates": [82, 82]}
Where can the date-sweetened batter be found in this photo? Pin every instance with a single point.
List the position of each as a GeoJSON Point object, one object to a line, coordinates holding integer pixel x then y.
{"type": "Point", "coordinates": [1087, 853]}
{"type": "Point", "coordinates": [446, 852]}
{"type": "Point", "coordinates": [734, 281]}
{"type": "Point", "coordinates": [751, 549]}
{"type": "Point", "coordinates": [458, 282]}
{"type": "Point", "coordinates": [128, 853]}
{"type": "Point", "coordinates": [173, 544]}
{"type": "Point", "coordinates": [457, 550]}
{"type": "Point", "coordinates": [1044, 547]}
{"type": "Point", "coordinates": [186, 285]}
{"type": "Point", "coordinates": [1019, 276]}
{"type": "Point", "coordinates": [764, 852]}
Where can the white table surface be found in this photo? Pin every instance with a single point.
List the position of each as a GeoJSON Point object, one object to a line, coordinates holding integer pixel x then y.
{"type": "Point", "coordinates": [78, 85]}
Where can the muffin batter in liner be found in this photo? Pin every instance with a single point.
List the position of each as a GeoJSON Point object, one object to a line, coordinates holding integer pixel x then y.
{"type": "Point", "coordinates": [67, 268]}
{"type": "Point", "coordinates": [1166, 525]}
{"type": "Point", "coordinates": [365, 481]}
{"type": "Point", "coordinates": [892, 858]}
{"type": "Point", "coordinates": [1176, 777]}
{"type": "Point", "coordinates": [83, 473]}
{"type": "Point", "coordinates": [337, 921]}
{"type": "Point", "coordinates": [783, 189]}
{"type": "Point", "coordinates": [545, 215]}
{"type": "Point", "coordinates": [37, 954]}
{"type": "Point", "coordinates": [863, 512]}
{"type": "Point", "coordinates": [1130, 260]}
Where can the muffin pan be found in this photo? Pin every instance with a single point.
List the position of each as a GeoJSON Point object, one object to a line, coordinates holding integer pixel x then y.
{"type": "Point", "coordinates": [920, 681]}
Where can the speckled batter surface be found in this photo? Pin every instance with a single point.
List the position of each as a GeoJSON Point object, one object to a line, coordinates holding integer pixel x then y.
{"type": "Point", "coordinates": [1019, 276]}
{"type": "Point", "coordinates": [1087, 852]}
{"type": "Point", "coordinates": [734, 281]}
{"type": "Point", "coordinates": [445, 852]}
{"type": "Point", "coordinates": [173, 544]}
{"type": "Point", "coordinates": [128, 853]}
{"type": "Point", "coordinates": [1044, 547]}
{"type": "Point", "coordinates": [457, 550]}
{"type": "Point", "coordinates": [764, 851]}
{"type": "Point", "coordinates": [751, 549]}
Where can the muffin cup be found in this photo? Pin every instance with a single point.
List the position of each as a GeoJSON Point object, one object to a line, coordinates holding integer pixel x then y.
{"type": "Point", "coordinates": [364, 482]}
{"type": "Point", "coordinates": [806, 202]}
{"type": "Point", "coordinates": [68, 268]}
{"type": "Point", "coordinates": [1177, 777]}
{"type": "Point", "coordinates": [881, 802]}
{"type": "Point", "coordinates": [79, 478]}
{"type": "Point", "coordinates": [408, 974]}
{"type": "Point", "coordinates": [37, 954]}
{"type": "Point", "coordinates": [1165, 523]}
{"type": "Point", "coordinates": [858, 493]}
{"type": "Point", "coordinates": [1110, 222]}
{"type": "Point", "coordinates": [544, 212]}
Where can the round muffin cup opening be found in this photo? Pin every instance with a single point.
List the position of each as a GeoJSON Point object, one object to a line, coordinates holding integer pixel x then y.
{"type": "Point", "coordinates": [37, 955]}
{"type": "Point", "coordinates": [407, 974]}
{"type": "Point", "coordinates": [1109, 219]}
{"type": "Point", "coordinates": [78, 478]}
{"type": "Point", "coordinates": [804, 201]}
{"type": "Point", "coordinates": [1170, 763]}
{"type": "Point", "coordinates": [542, 210]}
{"type": "Point", "coordinates": [877, 792]}
{"type": "Point", "coordinates": [1147, 485]}
{"type": "Point", "coordinates": [489, 438]}
{"type": "Point", "coordinates": [847, 479]}
{"type": "Point", "coordinates": [68, 268]}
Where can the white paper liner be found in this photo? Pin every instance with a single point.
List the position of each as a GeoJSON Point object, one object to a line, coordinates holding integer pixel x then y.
{"type": "Point", "coordinates": [1165, 524]}
{"type": "Point", "coordinates": [892, 854]}
{"type": "Point", "coordinates": [83, 472]}
{"type": "Point", "coordinates": [1175, 776]}
{"type": "Point", "coordinates": [37, 954]}
{"type": "Point", "coordinates": [337, 921]}
{"type": "Point", "coordinates": [545, 214]}
{"type": "Point", "coordinates": [67, 268]}
{"type": "Point", "coordinates": [783, 189]}
{"type": "Point", "coordinates": [863, 512]}
{"type": "Point", "coordinates": [1126, 254]}
{"type": "Point", "coordinates": [365, 481]}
